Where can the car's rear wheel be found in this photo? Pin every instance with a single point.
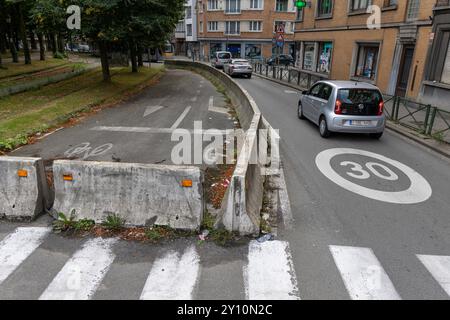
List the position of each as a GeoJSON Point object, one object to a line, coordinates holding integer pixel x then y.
{"type": "Point", "coordinates": [376, 136]}
{"type": "Point", "coordinates": [300, 111]}
{"type": "Point", "coordinates": [323, 128]}
{"type": "Point", "coordinates": [249, 76]}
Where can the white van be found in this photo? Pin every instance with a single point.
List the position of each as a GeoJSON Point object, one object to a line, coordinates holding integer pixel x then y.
{"type": "Point", "coordinates": [220, 58]}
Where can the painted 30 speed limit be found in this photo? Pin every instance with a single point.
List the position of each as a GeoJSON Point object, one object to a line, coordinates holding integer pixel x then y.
{"type": "Point", "coordinates": [379, 167]}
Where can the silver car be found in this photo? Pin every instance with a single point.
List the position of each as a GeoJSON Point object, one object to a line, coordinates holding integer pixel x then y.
{"type": "Point", "coordinates": [239, 67]}
{"type": "Point", "coordinates": [220, 58]}
{"type": "Point", "coordinates": [344, 106]}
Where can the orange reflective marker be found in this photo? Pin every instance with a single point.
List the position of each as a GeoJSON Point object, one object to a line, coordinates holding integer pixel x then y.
{"type": "Point", "coordinates": [186, 183]}
{"type": "Point", "coordinates": [22, 173]}
{"type": "Point", "coordinates": [68, 177]}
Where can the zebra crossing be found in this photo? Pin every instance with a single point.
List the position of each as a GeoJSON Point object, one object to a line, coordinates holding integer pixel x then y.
{"type": "Point", "coordinates": [268, 270]}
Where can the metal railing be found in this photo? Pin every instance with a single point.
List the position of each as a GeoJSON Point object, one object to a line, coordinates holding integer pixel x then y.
{"type": "Point", "coordinates": [302, 79]}
{"type": "Point", "coordinates": [423, 118]}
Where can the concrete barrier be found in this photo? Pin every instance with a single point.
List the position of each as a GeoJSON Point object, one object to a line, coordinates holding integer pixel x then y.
{"type": "Point", "coordinates": [139, 193]}
{"type": "Point", "coordinates": [23, 188]}
{"type": "Point", "coordinates": [242, 204]}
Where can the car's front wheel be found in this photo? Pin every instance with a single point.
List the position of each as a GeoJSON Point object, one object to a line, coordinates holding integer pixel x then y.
{"type": "Point", "coordinates": [300, 111]}
{"type": "Point", "coordinates": [323, 128]}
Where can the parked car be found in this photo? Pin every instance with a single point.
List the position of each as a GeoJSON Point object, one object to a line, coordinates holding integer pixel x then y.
{"type": "Point", "coordinates": [282, 59]}
{"type": "Point", "coordinates": [239, 67]}
{"type": "Point", "coordinates": [220, 58]}
{"type": "Point", "coordinates": [344, 106]}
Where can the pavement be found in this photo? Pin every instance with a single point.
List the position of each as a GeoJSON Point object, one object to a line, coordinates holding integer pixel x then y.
{"type": "Point", "coordinates": [343, 243]}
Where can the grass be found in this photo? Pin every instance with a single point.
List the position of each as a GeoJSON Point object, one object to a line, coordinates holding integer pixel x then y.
{"type": "Point", "coordinates": [114, 222]}
{"type": "Point", "coordinates": [25, 114]}
{"type": "Point", "coordinates": [16, 69]}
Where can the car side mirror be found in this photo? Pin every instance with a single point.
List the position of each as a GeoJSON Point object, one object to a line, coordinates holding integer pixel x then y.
{"type": "Point", "coordinates": [305, 93]}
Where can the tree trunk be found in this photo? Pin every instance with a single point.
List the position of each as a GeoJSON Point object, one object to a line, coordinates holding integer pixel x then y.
{"type": "Point", "coordinates": [23, 35]}
{"type": "Point", "coordinates": [134, 66]}
{"type": "Point", "coordinates": [54, 46]}
{"type": "Point", "coordinates": [13, 50]}
{"type": "Point", "coordinates": [140, 58]}
{"type": "Point", "coordinates": [33, 40]}
{"type": "Point", "coordinates": [41, 47]}
{"type": "Point", "coordinates": [104, 59]}
{"type": "Point", "coordinates": [61, 43]}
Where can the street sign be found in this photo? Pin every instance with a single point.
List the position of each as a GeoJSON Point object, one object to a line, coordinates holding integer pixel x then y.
{"type": "Point", "coordinates": [280, 40]}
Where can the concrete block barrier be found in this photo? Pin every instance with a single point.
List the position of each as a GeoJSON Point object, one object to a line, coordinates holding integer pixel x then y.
{"type": "Point", "coordinates": [24, 192]}
{"type": "Point", "coordinates": [141, 194]}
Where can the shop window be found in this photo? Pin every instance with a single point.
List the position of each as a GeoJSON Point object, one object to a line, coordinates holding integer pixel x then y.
{"type": "Point", "coordinates": [253, 51]}
{"type": "Point", "coordinates": [324, 57]}
{"type": "Point", "coordinates": [309, 53]}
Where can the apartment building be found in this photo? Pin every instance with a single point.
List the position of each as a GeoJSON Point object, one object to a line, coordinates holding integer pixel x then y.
{"type": "Point", "coordinates": [339, 39]}
{"type": "Point", "coordinates": [436, 84]}
{"type": "Point", "coordinates": [186, 30]}
{"type": "Point", "coordinates": [246, 28]}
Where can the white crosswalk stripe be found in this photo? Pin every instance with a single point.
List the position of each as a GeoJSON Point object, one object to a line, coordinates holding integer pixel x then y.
{"type": "Point", "coordinates": [270, 272]}
{"type": "Point", "coordinates": [16, 247]}
{"type": "Point", "coordinates": [363, 275]}
{"type": "Point", "coordinates": [173, 277]}
{"type": "Point", "coordinates": [83, 273]}
{"type": "Point", "coordinates": [439, 267]}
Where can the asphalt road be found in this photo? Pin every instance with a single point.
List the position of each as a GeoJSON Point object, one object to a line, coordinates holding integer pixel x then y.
{"type": "Point", "coordinates": [371, 235]}
{"type": "Point", "coordinates": [140, 129]}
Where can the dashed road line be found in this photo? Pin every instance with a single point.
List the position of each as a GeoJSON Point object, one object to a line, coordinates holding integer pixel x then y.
{"type": "Point", "coordinates": [181, 118]}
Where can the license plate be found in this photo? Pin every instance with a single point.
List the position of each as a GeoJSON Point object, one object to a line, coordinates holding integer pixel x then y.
{"type": "Point", "coordinates": [360, 123]}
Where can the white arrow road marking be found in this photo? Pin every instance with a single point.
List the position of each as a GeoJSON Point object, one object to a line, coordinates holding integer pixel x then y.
{"type": "Point", "coordinates": [363, 275]}
{"type": "Point", "coordinates": [83, 273]}
{"type": "Point", "coordinates": [215, 109]}
{"type": "Point", "coordinates": [16, 247]}
{"type": "Point", "coordinates": [152, 109]}
{"type": "Point", "coordinates": [181, 118]}
{"type": "Point", "coordinates": [173, 277]}
{"type": "Point", "coordinates": [270, 272]}
{"type": "Point", "coordinates": [439, 267]}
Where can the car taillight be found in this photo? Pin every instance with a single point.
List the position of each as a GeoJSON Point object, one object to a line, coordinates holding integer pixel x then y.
{"type": "Point", "coordinates": [338, 107]}
{"type": "Point", "coordinates": [381, 108]}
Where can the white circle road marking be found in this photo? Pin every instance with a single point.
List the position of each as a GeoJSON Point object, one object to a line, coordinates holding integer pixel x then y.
{"type": "Point", "coordinates": [419, 191]}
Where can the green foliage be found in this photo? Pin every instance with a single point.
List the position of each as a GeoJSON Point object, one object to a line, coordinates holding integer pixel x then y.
{"type": "Point", "coordinates": [60, 55]}
{"type": "Point", "coordinates": [12, 143]}
{"type": "Point", "coordinates": [114, 222]}
{"type": "Point", "coordinates": [64, 223]}
{"type": "Point", "coordinates": [84, 225]}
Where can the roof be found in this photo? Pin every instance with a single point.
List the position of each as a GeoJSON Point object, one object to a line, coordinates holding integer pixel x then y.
{"type": "Point", "coordinates": [340, 84]}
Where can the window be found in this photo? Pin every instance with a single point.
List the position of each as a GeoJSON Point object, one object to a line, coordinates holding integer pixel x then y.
{"type": "Point", "coordinates": [325, 92]}
{"type": "Point", "coordinates": [281, 5]}
{"type": "Point", "coordinates": [255, 4]}
{"type": "Point", "coordinates": [324, 8]}
{"type": "Point", "coordinates": [309, 53]}
{"type": "Point", "coordinates": [366, 65]}
{"type": "Point", "coordinates": [299, 15]}
{"type": "Point", "coordinates": [233, 6]}
{"type": "Point", "coordinates": [213, 26]}
{"type": "Point", "coordinates": [201, 26]}
{"type": "Point", "coordinates": [413, 10]}
{"type": "Point", "coordinates": [253, 51]}
{"type": "Point", "coordinates": [315, 91]}
{"type": "Point", "coordinates": [324, 57]}
{"type": "Point", "coordinates": [233, 27]}
{"type": "Point", "coordinates": [189, 30]}
{"type": "Point", "coordinates": [255, 25]}
{"type": "Point", "coordinates": [213, 4]}
{"type": "Point", "coordinates": [188, 13]}
{"type": "Point", "coordinates": [359, 5]}
{"type": "Point", "coordinates": [390, 3]}
{"type": "Point", "coordinates": [446, 71]}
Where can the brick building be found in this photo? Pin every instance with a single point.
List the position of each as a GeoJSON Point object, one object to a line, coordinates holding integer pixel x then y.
{"type": "Point", "coordinates": [245, 27]}
{"type": "Point", "coordinates": [333, 38]}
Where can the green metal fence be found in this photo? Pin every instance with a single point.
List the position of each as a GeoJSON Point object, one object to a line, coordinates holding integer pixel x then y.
{"type": "Point", "coordinates": [423, 118]}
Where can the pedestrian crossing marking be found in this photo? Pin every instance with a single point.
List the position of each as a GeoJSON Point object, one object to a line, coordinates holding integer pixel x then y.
{"type": "Point", "coordinates": [439, 267]}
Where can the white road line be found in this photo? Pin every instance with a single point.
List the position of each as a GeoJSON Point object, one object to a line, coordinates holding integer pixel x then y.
{"type": "Point", "coordinates": [17, 246]}
{"type": "Point", "coordinates": [285, 203]}
{"type": "Point", "coordinates": [83, 273]}
{"type": "Point", "coordinates": [270, 273]}
{"type": "Point", "coordinates": [211, 107]}
{"type": "Point", "coordinates": [152, 109]}
{"type": "Point", "coordinates": [156, 130]}
{"type": "Point", "coordinates": [439, 267]}
{"type": "Point", "coordinates": [291, 92]}
{"type": "Point", "coordinates": [363, 275]}
{"type": "Point", "coordinates": [173, 277]}
{"type": "Point", "coordinates": [181, 118]}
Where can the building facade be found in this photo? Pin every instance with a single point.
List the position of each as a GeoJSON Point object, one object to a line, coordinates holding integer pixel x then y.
{"type": "Point", "coordinates": [436, 84]}
{"type": "Point", "coordinates": [186, 31]}
{"type": "Point", "coordinates": [246, 28]}
{"type": "Point", "coordinates": [383, 42]}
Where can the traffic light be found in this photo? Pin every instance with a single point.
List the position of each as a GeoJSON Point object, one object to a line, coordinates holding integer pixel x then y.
{"type": "Point", "coordinates": [300, 4]}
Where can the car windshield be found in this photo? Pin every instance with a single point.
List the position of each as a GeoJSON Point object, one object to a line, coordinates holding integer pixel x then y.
{"type": "Point", "coordinates": [355, 96]}
{"type": "Point", "coordinates": [224, 56]}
